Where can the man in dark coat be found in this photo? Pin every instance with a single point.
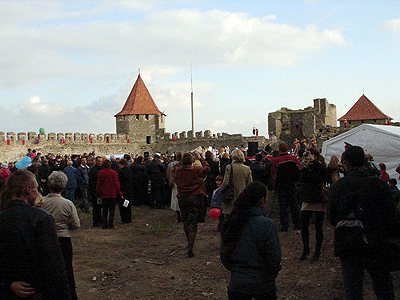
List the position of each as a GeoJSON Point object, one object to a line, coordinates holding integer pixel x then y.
{"type": "Point", "coordinates": [368, 199]}
{"type": "Point", "coordinates": [156, 174]}
{"type": "Point", "coordinates": [43, 173]}
{"type": "Point", "coordinates": [259, 171]}
{"type": "Point", "coordinates": [140, 182]}
{"type": "Point", "coordinates": [210, 180]}
{"type": "Point", "coordinates": [125, 181]}
{"type": "Point", "coordinates": [31, 262]}
{"type": "Point", "coordinates": [285, 172]}
{"type": "Point", "coordinates": [93, 174]}
{"type": "Point", "coordinates": [83, 184]}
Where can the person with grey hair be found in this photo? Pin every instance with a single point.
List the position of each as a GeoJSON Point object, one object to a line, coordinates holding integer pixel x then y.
{"type": "Point", "coordinates": [66, 219]}
{"type": "Point", "coordinates": [241, 177]}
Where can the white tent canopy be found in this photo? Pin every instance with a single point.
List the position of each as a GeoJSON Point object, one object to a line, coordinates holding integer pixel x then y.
{"type": "Point", "coordinates": [381, 141]}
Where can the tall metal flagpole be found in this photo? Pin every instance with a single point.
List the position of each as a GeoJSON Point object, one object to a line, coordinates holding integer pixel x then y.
{"type": "Point", "coordinates": [191, 97]}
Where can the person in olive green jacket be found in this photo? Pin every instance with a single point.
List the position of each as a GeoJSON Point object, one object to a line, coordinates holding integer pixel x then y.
{"type": "Point", "coordinates": [241, 177]}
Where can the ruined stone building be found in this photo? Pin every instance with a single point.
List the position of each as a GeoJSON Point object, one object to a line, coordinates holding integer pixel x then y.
{"type": "Point", "coordinates": [364, 111]}
{"type": "Point", "coordinates": [317, 121]}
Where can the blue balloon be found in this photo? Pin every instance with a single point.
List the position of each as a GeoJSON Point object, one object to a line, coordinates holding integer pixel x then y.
{"type": "Point", "coordinates": [23, 163]}
{"type": "Point", "coordinates": [26, 160]}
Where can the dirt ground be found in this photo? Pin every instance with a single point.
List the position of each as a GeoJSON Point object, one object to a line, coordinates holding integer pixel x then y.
{"type": "Point", "coordinates": [147, 260]}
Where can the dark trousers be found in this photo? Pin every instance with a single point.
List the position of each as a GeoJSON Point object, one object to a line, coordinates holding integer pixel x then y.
{"type": "Point", "coordinates": [66, 249]}
{"type": "Point", "coordinates": [287, 202]}
{"type": "Point", "coordinates": [84, 205]}
{"type": "Point", "coordinates": [221, 220]}
{"type": "Point", "coordinates": [140, 193]}
{"type": "Point", "coordinates": [305, 233]}
{"type": "Point", "coordinates": [96, 209]}
{"type": "Point", "coordinates": [353, 276]}
{"type": "Point", "coordinates": [203, 211]}
{"type": "Point", "coordinates": [190, 209]}
{"type": "Point", "coordinates": [70, 194]}
{"type": "Point", "coordinates": [125, 212]}
{"type": "Point", "coordinates": [241, 296]}
{"type": "Point", "coordinates": [157, 194]}
{"type": "Point", "coordinates": [108, 213]}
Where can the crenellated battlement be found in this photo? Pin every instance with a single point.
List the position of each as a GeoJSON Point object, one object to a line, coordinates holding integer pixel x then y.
{"type": "Point", "coordinates": [15, 145]}
{"type": "Point", "coordinates": [77, 137]}
{"type": "Point", "coordinates": [33, 137]}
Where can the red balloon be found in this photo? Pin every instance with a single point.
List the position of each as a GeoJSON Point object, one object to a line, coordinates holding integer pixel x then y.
{"type": "Point", "coordinates": [215, 213]}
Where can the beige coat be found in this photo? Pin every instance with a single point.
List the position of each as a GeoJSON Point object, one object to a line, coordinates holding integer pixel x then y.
{"type": "Point", "coordinates": [241, 178]}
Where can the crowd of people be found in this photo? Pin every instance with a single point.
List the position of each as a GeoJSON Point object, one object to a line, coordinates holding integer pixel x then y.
{"type": "Point", "coordinates": [242, 188]}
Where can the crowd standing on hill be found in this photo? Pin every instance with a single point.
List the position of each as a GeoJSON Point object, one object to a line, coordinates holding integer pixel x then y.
{"type": "Point", "coordinates": [299, 181]}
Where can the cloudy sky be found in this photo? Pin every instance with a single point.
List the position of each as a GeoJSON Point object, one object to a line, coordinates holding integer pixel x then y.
{"type": "Point", "coordinates": [68, 66]}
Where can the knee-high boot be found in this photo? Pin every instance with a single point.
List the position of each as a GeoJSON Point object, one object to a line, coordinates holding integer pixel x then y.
{"type": "Point", "coordinates": [306, 245]}
{"type": "Point", "coordinates": [318, 244]}
{"type": "Point", "coordinates": [191, 238]}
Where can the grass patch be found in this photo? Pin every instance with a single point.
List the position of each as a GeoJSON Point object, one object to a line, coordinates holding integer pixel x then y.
{"type": "Point", "coordinates": [160, 228]}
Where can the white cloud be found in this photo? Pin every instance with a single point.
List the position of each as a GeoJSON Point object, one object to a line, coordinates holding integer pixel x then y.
{"type": "Point", "coordinates": [34, 113]}
{"type": "Point", "coordinates": [392, 25]}
{"type": "Point", "coordinates": [240, 122]}
{"type": "Point", "coordinates": [86, 42]}
{"type": "Point", "coordinates": [218, 124]}
{"type": "Point", "coordinates": [87, 45]}
{"type": "Point", "coordinates": [34, 100]}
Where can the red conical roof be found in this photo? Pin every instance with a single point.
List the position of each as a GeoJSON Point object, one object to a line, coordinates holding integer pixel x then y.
{"type": "Point", "coordinates": [139, 101]}
{"type": "Point", "coordinates": [364, 109]}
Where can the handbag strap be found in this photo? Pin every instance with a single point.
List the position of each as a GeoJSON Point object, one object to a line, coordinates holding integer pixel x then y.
{"type": "Point", "coordinates": [231, 174]}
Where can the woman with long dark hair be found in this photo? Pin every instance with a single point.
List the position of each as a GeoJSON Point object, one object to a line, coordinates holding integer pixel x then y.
{"type": "Point", "coordinates": [250, 247]}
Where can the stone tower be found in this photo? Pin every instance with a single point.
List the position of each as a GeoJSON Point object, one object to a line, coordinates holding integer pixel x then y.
{"type": "Point", "coordinates": [140, 117]}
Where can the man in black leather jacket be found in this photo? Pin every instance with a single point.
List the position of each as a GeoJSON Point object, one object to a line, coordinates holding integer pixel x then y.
{"type": "Point", "coordinates": [31, 263]}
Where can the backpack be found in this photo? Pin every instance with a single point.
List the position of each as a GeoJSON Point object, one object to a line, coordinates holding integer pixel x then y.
{"type": "Point", "coordinates": [349, 235]}
{"type": "Point", "coordinates": [351, 238]}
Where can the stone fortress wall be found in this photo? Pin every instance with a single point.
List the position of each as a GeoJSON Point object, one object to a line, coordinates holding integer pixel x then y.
{"type": "Point", "coordinates": [15, 146]}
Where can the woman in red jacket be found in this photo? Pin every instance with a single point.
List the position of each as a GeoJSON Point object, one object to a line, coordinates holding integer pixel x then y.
{"type": "Point", "coordinates": [108, 190]}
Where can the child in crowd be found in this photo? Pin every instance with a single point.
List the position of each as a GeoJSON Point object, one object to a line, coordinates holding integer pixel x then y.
{"type": "Point", "coordinates": [395, 191]}
{"type": "Point", "coordinates": [216, 201]}
{"type": "Point", "coordinates": [4, 174]}
{"type": "Point", "coordinates": [385, 175]}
